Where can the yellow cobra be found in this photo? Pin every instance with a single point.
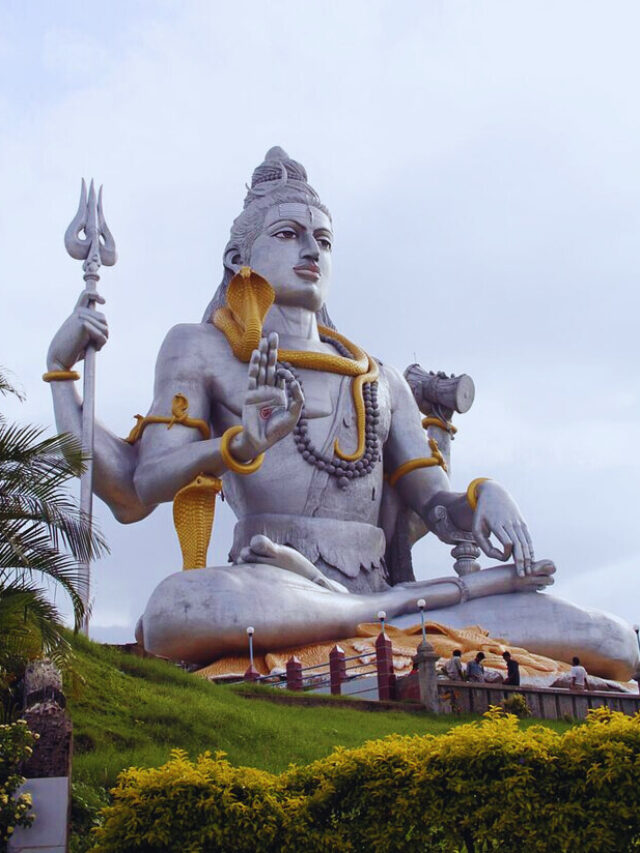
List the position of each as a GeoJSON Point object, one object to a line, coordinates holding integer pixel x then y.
{"type": "Point", "coordinates": [194, 508]}
{"type": "Point", "coordinates": [249, 297]}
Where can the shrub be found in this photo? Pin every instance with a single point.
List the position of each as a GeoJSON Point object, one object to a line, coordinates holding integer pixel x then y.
{"type": "Point", "coordinates": [16, 743]}
{"type": "Point", "coordinates": [487, 785]}
{"type": "Point", "coordinates": [516, 704]}
{"type": "Point", "coordinates": [87, 804]}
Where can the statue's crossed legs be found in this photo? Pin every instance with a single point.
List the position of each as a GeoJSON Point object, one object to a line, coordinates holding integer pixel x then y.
{"type": "Point", "coordinates": [201, 615]}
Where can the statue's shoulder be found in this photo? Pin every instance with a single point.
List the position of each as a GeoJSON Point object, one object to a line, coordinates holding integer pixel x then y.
{"type": "Point", "coordinates": [400, 395]}
{"type": "Point", "coordinates": [192, 338]}
{"type": "Point", "coordinates": [197, 344]}
{"type": "Point", "coordinates": [390, 375]}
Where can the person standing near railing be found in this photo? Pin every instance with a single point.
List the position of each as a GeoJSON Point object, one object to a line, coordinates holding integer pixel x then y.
{"type": "Point", "coordinates": [578, 675]}
{"type": "Point", "coordinates": [454, 666]}
{"type": "Point", "coordinates": [475, 669]}
{"type": "Point", "coordinates": [513, 670]}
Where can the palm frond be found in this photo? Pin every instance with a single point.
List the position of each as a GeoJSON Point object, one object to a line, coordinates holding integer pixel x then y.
{"type": "Point", "coordinates": [7, 386]}
{"type": "Point", "coordinates": [25, 609]}
{"type": "Point", "coordinates": [43, 532]}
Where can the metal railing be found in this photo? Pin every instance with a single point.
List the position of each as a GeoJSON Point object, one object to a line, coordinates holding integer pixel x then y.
{"type": "Point", "coordinates": [340, 670]}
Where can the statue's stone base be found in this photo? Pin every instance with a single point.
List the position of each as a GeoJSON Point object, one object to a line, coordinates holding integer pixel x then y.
{"type": "Point", "coordinates": [549, 626]}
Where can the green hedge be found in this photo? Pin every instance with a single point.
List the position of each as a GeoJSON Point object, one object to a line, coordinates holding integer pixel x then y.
{"type": "Point", "coordinates": [487, 785]}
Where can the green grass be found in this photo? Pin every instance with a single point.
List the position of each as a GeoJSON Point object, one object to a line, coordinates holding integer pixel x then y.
{"type": "Point", "coordinates": [127, 711]}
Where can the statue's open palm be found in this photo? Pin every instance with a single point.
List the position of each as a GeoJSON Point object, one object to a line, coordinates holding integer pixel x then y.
{"type": "Point", "coordinates": [271, 410]}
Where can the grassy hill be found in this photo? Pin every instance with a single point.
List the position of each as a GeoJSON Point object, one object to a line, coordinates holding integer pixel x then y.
{"type": "Point", "coordinates": [129, 711]}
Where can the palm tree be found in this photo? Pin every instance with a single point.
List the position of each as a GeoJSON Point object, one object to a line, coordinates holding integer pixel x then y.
{"type": "Point", "coordinates": [43, 534]}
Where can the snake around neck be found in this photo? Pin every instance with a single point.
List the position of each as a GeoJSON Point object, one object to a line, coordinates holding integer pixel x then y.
{"type": "Point", "coordinates": [248, 298]}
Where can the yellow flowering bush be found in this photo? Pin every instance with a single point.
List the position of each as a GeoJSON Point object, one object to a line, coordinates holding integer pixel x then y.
{"type": "Point", "coordinates": [486, 786]}
{"type": "Point", "coordinates": [16, 742]}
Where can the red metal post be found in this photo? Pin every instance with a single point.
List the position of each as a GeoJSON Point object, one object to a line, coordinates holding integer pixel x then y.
{"type": "Point", "coordinates": [251, 673]}
{"type": "Point", "coordinates": [337, 669]}
{"type": "Point", "coordinates": [384, 664]}
{"type": "Point", "coordinates": [294, 674]}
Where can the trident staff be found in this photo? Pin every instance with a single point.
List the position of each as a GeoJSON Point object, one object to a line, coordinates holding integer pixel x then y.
{"type": "Point", "coordinates": [96, 248]}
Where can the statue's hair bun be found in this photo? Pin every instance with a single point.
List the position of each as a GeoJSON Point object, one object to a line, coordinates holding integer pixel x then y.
{"type": "Point", "coordinates": [275, 161]}
{"type": "Point", "coordinates": [277, 170]}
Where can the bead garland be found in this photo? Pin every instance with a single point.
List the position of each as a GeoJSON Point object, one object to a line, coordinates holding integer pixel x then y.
{"type": "Point", "coordinates": [342, 469]}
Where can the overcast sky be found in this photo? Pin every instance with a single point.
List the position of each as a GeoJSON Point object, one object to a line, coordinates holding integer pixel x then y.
{"type": "Point", "coordinates": [481, 162]}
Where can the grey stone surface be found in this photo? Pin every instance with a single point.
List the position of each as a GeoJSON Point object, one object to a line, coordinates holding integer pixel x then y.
{"type": "Point", "coordinates": [48, 833]}
{"type": "Point", "coordinates": [426, 659]}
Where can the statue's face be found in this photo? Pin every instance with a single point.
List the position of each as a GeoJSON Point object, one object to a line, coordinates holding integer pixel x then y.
{"type": "Point", "coordinates": [293, 252]}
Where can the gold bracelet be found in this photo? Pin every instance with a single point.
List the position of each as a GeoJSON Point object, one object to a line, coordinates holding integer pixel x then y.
{"type": "Point", "coordinates": [233, 464]}
{"type": "Point", "coordinates": [472, 491]}
{"type": "Point", "coordinates": [447, 426]}
{"type": "Point", "coordinates": [436, 459]}
{"type": "Point", "coordinates": [60, 375]}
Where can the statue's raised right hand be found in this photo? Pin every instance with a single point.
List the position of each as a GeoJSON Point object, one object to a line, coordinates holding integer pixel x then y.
{"type": "Point", "coordinates": [270, 410]}
{"type": "Point", "coordinates": [83, 327]}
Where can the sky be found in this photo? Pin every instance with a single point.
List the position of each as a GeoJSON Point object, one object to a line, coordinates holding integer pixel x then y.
{"type": "Point", "coordinates": [480, 160]}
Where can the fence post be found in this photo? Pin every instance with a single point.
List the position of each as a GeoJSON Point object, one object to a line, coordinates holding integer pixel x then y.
{"type": "Point", "coordinates": [337, 669]}
{"type": "Point", "coordinates": [425, 659]}
{"type": "Point", "coordinates": [294, 674]}
{"type": "Point", "coordinates": [384, 664]}
{"type": "Point", "coordinates": [251, 673]}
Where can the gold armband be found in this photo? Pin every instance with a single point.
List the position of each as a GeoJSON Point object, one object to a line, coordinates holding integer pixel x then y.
{"type": "Point", "coordinates": [436, 459]}
{"type": "Point", "coordinates": [179, 415]}
{"type": "Point", "coordinates": [60, 376]}
{"type": "Point", "coordinates": [472, 491]}
{"type": "Point", "coordinates": [233, 464]}
{"type": "Point", "coordinates": [447, 426]}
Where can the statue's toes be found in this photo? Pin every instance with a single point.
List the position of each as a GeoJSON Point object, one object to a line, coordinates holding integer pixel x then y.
{"type": "Point", "coordinates": [262, 546]}
{"type": "Point", "coordinates": [543, 568]}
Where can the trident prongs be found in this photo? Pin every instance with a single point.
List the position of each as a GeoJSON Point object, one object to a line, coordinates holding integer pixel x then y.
{"type": "Point", "coordinates": [97, 247]}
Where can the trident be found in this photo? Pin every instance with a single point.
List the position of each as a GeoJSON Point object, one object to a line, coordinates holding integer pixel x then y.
{"type": "Point", "coordinates": [96, 248]}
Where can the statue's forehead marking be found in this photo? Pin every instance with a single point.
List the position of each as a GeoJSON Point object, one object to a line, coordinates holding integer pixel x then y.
{"type": "Point", "coordinates": [291, 210]}
{"type": "Point", "coordinates": [298, 212]}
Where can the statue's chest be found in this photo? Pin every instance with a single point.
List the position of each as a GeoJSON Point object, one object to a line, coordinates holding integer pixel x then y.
{"type": "Point", "coordinates": [321, 390]}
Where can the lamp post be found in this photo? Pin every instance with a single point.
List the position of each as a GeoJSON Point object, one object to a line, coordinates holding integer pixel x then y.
{"type": "Point", "coordinates": [382, 616]}
{"type": "Point", "coordinates": [250, 635]}
{"type": "Point", "coordinates": [421, 606]}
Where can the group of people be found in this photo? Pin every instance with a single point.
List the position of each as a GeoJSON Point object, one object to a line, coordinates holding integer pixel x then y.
{"type": "Point", "coordinates": [475, 670]}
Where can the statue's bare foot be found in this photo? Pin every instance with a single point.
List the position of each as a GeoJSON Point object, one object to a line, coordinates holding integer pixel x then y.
{"type": "Point", "coordinates": [541, 575]}
{"type": "Point", "coordinates": [261, 549]}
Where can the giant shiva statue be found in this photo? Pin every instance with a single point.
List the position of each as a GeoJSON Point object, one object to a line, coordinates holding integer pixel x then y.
{"type": "Point", "coordinates": [321, 450]}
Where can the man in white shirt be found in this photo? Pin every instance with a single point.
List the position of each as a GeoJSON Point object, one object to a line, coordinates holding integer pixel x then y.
{"type": "Point", "coordinates": [578, 676]}
{"type": "Point", "coordinates": [454, 666]}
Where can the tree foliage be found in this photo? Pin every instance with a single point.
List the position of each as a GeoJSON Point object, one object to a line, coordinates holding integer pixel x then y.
{"type": "Point", "coordinates": [44, 537]}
